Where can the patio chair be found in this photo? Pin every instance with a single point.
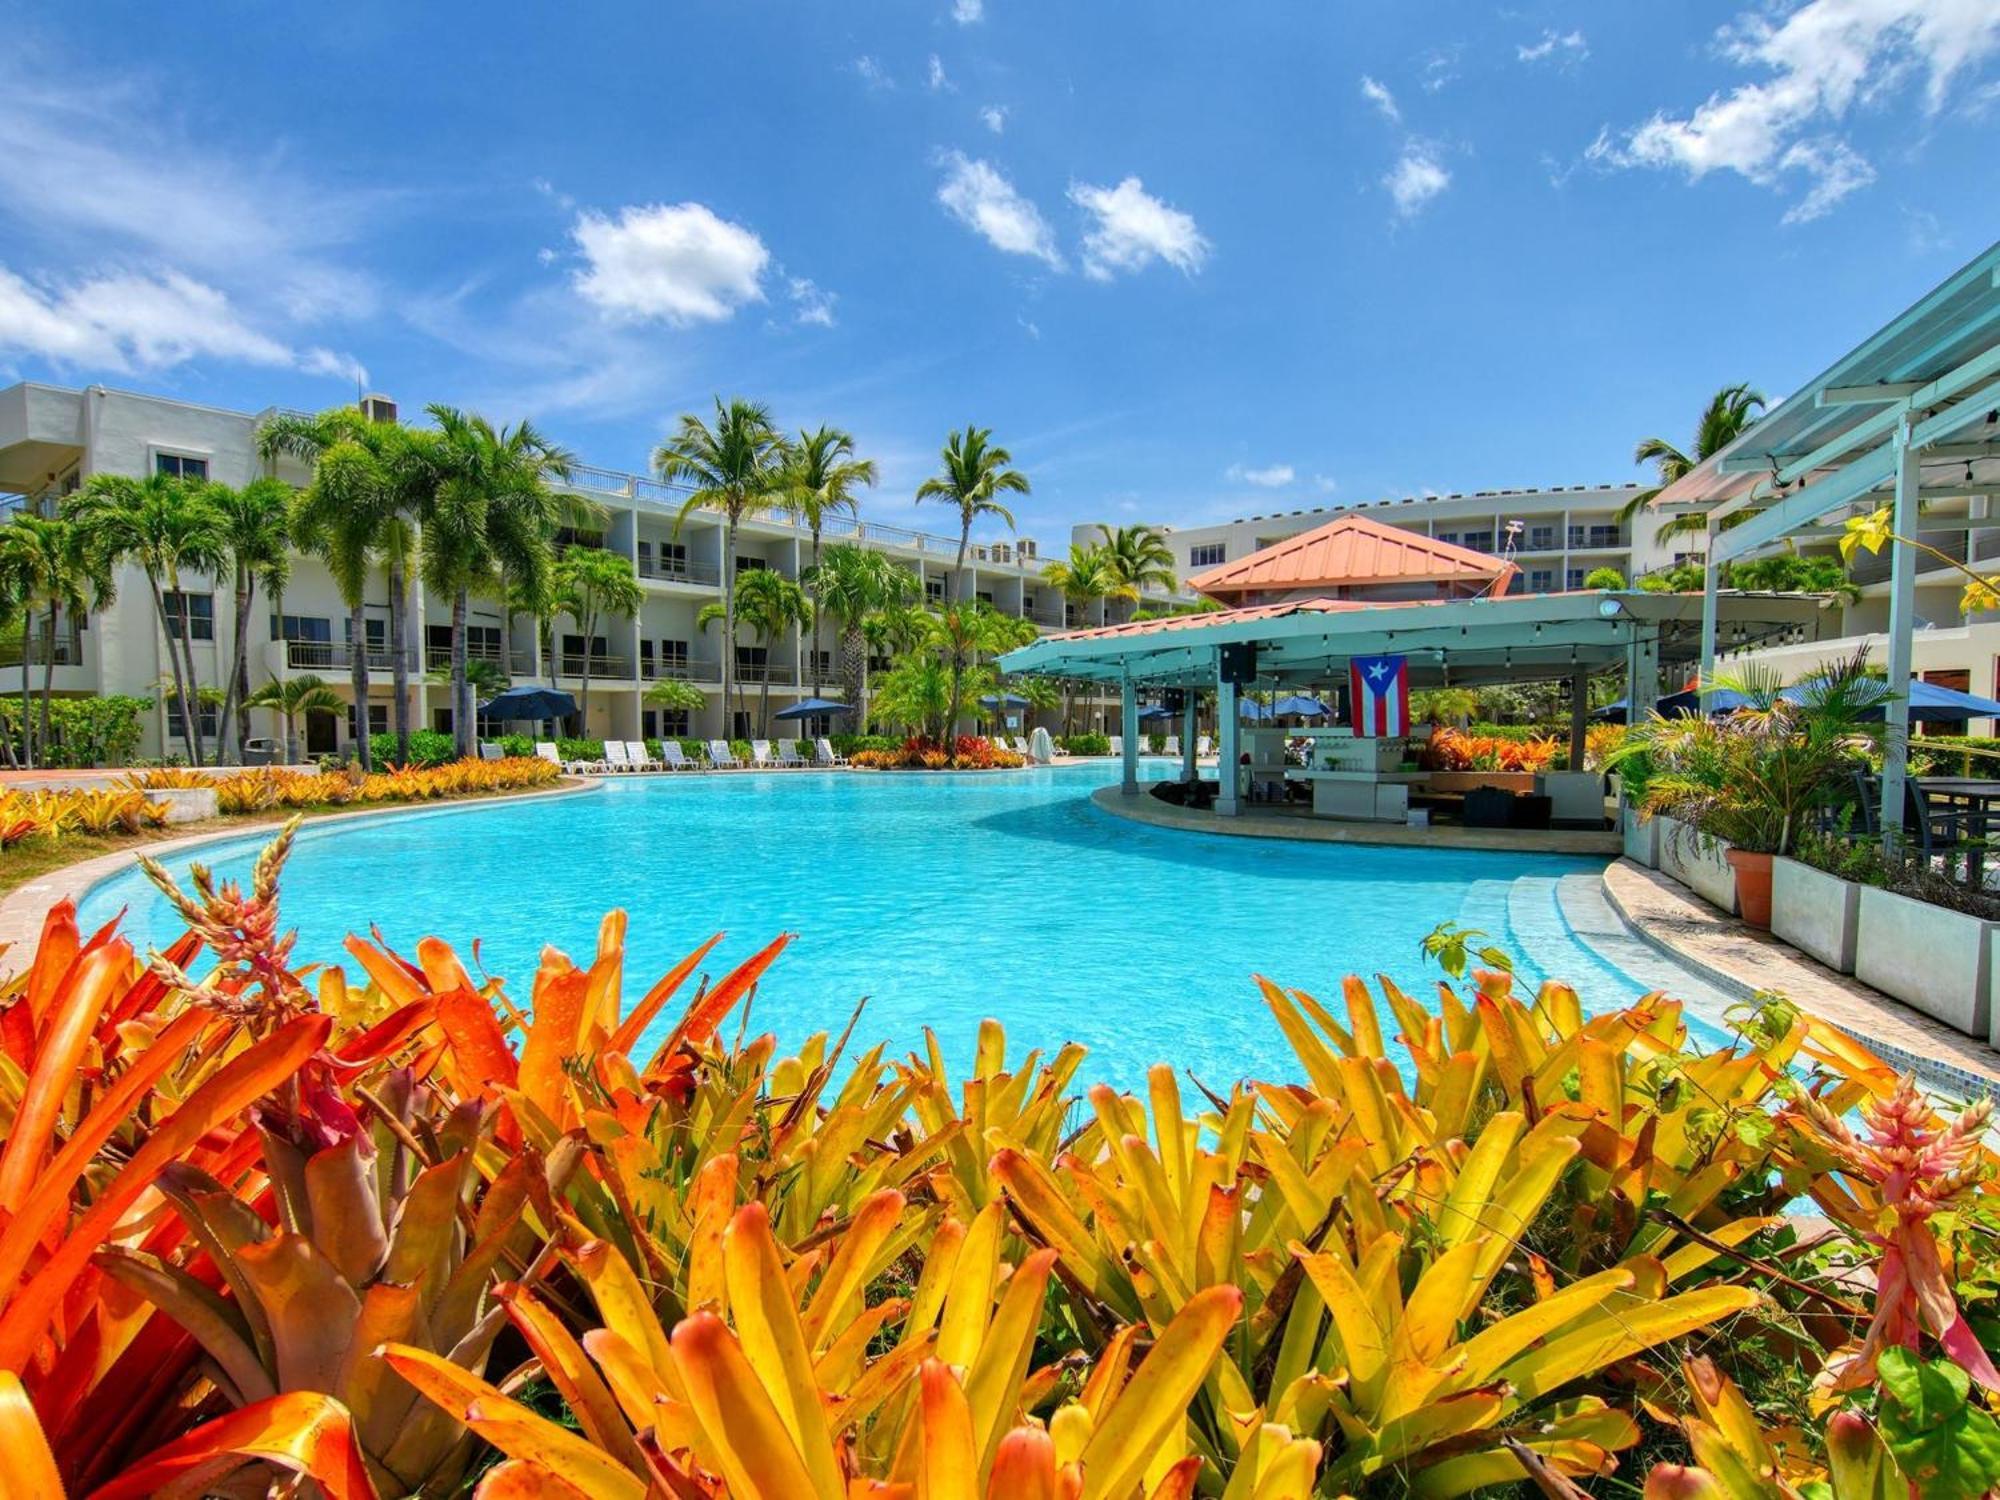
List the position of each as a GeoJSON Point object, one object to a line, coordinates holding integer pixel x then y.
{"type": "Point", "coordinates": [546, 750]}
{"type": "Point", "coordinates": [722, 757]}
{"type": "Point", "coordinates": [788, 754]}
{"type": "Point", "coordinates": [1173, 744]}
{"type": "Point", "coordinates": [490, 751]}
{"type": "Point", "coordinates": [1021, 745]}
{"type": "Point", "coordinates": [760, 754]}
{"type": "Point", "coordinates": [823, 753]}
{"type": "Point", "coordinates": [1117, 744]}
{"type": "Point", "coordinates": [615, 757]}
{"type": "Point", "coordinates": [675, 758]}
{"type": "Point", "coordinates": [1203, 748]}
{"type": "Point", "coordinates": [641, 758]}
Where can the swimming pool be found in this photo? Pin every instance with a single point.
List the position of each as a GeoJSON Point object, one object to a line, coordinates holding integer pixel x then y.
{"type": "Point", "coordinates": [942, 899]}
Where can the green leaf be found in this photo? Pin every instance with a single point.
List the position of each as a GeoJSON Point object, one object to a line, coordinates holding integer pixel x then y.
{"type": "Point", "coordinates": [1947, 1448]}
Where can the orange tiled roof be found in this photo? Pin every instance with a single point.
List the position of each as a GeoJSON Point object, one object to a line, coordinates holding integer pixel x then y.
{"type": "Point", "coordinates": [1346, 552]}
{"type": "Point", "coordinates": [1167, 623]}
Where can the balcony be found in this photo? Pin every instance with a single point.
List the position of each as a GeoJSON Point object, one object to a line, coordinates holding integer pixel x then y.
{"type": "Point", "coordinates": [571, 664]}
{"type": "Point", "coordinates": [683, 669]}
{"type": "Point", "coordinates": [675, 570]}
{"type": "Point", "coordinates": [438, 658]}
{"type": "Point", "coordinates": [38, 649]}
{"type": "Point", "coordinates": [777, 673]}
{"type": "Point", "coordinates": [323, 656]}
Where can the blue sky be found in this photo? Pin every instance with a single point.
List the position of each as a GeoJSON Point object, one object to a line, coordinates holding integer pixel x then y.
{"type": "Point", "coordinates": [1188, 260]}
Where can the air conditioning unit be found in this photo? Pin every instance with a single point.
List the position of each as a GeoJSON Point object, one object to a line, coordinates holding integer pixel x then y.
{"type": "Point", "coordinates": [377, 408]}
{"type": "Point", "coordinates": [1002, 552]}
{"type": "Point", "coordinates": [1027, 548]}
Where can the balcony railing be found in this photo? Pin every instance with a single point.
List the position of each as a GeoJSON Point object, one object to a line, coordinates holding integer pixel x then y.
{"type": "Point", "coordinates": [37, 649]}
{"type": "Point", "coordinates": [571, 663]}
{"type": "Point", "coordinates": [776, 672]}
{"type": "Point", "coordinates": [670, 570]}
{"type": "Point", "coordinates": [320, 656]}
{"type": "Point", "coordinates": [438, 658]}
{"type": "Point", "coordinates": [692, 669]}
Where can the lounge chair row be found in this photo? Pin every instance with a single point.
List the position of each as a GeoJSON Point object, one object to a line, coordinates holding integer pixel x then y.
{"type": "Point", "coordinates": [714, 755]}
{"type": "Point", "coordinates": [1204, 747]}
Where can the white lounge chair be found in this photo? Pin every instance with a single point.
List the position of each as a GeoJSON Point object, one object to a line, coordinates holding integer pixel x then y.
{"type": "Point", "coordinates": [760, 754]}
{"type": "Point", "coordinates": [641, 758]}
{"type": "Point", "coordinates": [1202, 747]}
{"type": "Point", "coordinates": [722, 757]}
{"type": "Point", "coordinates": [1173, 744]}
{"type": "Point", "coordinates": [547, 751]}
{"type": "Point", "coordinates": [1021, 745]}
{"type": "Point", "coordinates": [823, 753]}
{"type": "Point", "coordinates": [788, 754]}
{"type": "Point", "coordinates": [1118, 744]}
{"type": "Point", "coordinates": [615, 757]}
{"type": "Point", "coordinates": [490, 751]}
{"type": "Point", "coordinates": [676, 758]}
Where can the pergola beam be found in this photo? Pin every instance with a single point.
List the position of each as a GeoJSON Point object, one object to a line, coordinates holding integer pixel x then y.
{"type": "Point", "coordinates": [1867, 395]}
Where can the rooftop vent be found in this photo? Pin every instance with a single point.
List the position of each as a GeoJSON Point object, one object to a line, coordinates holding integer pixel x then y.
{"type": "Point", "coordinates": [378, 408]}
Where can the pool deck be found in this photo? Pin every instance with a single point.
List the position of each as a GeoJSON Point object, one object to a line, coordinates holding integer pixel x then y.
{"type": "Point", "coordinates": [1262, 823]}
{"type": "Point", "coordinates": [1744, 960]}
{"type": "Point", "coordinates": [23, 909]}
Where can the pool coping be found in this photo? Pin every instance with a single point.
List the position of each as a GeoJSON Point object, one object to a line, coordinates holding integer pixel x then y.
{"type": "Point", "coordinates": [25, 908]}
{"type": "Point", "coordinates": [1745, 960]}
{"type": "Point", "coordinates": [1151, 812]}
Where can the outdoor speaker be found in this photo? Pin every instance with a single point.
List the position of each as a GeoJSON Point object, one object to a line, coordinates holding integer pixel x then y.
{"type": "Point", "coordinates": [1239, 662]}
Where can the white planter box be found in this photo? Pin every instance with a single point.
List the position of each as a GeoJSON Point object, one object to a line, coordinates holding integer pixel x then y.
{"type": "Point", "coordinates": [1815, 912]}
{"type": "Point", "coordinates": [186, 804]}
{"type": "Point", "coordinates": [1697, 864]}
{"type": "Point", "coordinates": [1929, 957]}
{"type": "Point", "coordinates": [1642, 840]}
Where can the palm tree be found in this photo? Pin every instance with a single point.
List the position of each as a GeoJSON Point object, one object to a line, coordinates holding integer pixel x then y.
{"type": "Point", "coordinates": [257, 535]}
{"type": "Point", "coordinates": [49, 568]}
{"type": "Point", "coordinates": [975, 474]}
{"type": "Point", "coordinates": [589, 585]}
{"type": "Point", "coordinates": [675, 695]}
{"type": "Point", "coordinates": [168, 528]}
{"type": "Point", "coordinates": [493, 512]}
{"type": "Point", "coordinates": [1141, 557]}
{"type": "Point", "coordinates": [854, 586]}
{"type": "Point", "coordinates": [352, 515]}
{"type": "Point", "coordinates": [769, 603]}
{"type": "Point", "coordinates": [290, 697]}
{"type": "Point", "coordinates": [736, 467]}
{"type": "Point", "coordinates": [1087, 578]}
{"type": "Point", "coordinates": [1730, 412]}
{"type": "Point", "coordinates": [819, 483]}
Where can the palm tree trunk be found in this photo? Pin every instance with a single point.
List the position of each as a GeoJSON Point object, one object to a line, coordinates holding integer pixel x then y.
{"type": "Point", "coordinates": [729, 704]}
{"type": "Point", "coordinates": [764, 707]}
{"type": "Point", "coordinates": [399, 662]}
{"type": "Point", "coordinates": [357, 675]}
{"type": "Point", "coordinates": [461, 697]}
{"type": "Point", "coordinates": [28, 706]}
{"type": "Point", "coordinates": [48, 679]}
{"type": "Point", "coordinates": [291, 738]}
{"type": "Point", "coordinates": [233, 704]}
{"type": "Point", "coordinates": [817, 675]}
{"type": "Point", "coordinates": [190, 681]}
{"type": "Point", "coordinates": [958, 573]}
{"type": "Point", "coordinates": [173, 665]}
{"type": "Point", "coordinates": [583, 696]}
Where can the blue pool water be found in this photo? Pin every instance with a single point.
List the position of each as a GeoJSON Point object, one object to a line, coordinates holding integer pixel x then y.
{"type": "Point", "coordinates": [941, 899]}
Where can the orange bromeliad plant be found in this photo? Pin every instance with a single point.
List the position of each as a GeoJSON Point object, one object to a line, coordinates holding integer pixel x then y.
{"type": "Point", "coordinates": [378, 1230]}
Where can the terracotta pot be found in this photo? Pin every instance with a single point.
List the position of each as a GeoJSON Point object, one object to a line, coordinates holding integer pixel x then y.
{"type": "Point", "coordinates": [1753, 885]}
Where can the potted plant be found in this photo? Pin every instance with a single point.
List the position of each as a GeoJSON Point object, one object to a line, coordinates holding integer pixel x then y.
{"type": "Point", "coordinates": [1753, 780]}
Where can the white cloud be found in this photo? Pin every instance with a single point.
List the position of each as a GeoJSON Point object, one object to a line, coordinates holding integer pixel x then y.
{"type": "Point", "coordinates": [1417, 177]}
{"type": "Point", "coordinates": [1441, 68]}
{"type": "Point", "coordinates": [1564, 47]}
{"type": "Point", "coordinates": [935, 77]}
{"type": "Point", "coordinates": [1029, 326]}
{"type": "Point", "coordinates": [967, 12]}
{"type": "Point", "coordinates": [128, 321]}
{"type": "Point", "coordinates": [1271, 477]}
{"type": "Point", "coordinates": [1823, 59]}
{"type": "Point", "coordinates": [995, 118]}
{"type": "Point", "coordinates": [676, 262]}
{"type": "Point", "coordinates": [1134, 229]}
{"type": "Point", "coordinates": [871, 72]}
{"type": "Point", "coordinates": [977, 194]}
{"type": "Point", "coordinates": [1378, 95]}
{"type": "Point", "coordinates": [811, 303]}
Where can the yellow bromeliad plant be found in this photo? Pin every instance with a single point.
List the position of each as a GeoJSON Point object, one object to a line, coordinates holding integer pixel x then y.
{"type": "Point", "coordinates": [385, 1229]}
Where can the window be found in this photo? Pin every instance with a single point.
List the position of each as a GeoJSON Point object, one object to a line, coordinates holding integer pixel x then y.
{"type": "Point", "coordinates": [664, 723]}
{"type": "Point", "coordinates": [674, 654]}
{"type": "Point", "coordinates": [673, 559]}
{"type": "Point", "coordinates": [196, 610]}
{"type": "Point", "coordinates": [180, 466]}
{"type": "Point", "coordinates": [1574, 578]}
{"type": "Point", "coordinates": [645, 657]}
{"type": "Point", "coordinates": [441, 720]}
{"type": "Point", "coordinates": [984, 596]}
{"type": "Point", "coordinates": [1541, 538]}
{"type": "Point", "coordinates": [825, 666]}
{"type": "Point", "coordinates": [1208, 555]}
{"type": "Point", "coordinates": [378, 720]}
{"type": "Point", "coordinates": [1450, 537]}
{"type": "Point", "coordinates": [208, 717]}
{"type": "Point", "coordinates": [934, 590]}
{"type": "Point", "coordinates": [1595, 536]}
{"type": "Point", "coordinates": [745, 564]}
{"type": "Point", "coordinates": [753, 663]}
{"type": "Point", "coordinates": [376, 631]}
{"type": "Point", "coordinates": [1541, 580]}
{"type": "Point", "coordinates": [302, 628]}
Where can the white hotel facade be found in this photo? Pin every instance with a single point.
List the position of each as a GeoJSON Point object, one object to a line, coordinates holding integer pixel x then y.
{"type": "Point", "coordinates": [54, 438]}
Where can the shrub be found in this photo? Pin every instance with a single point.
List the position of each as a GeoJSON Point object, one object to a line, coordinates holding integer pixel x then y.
{"type": "Point", "coordinates": [428, 747]}
{"type": "Point", "coordinates": [53, 814]}
{"type": "Point", "coordinates": [101, 731]}
{"type": "Point", "coordinates": [848, 744]}
{"type": "Point", "coordinates": [530, 1250]}
{"type": "Point", "coordinates": [1456, 750]}
{"type": "Point", "coordinates": [1087, 744]}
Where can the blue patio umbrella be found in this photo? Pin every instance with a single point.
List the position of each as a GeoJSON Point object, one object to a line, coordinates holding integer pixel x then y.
{"type": "Point", "coordinates": [526, 702]}
{"type": "Point", "coordinates": [1687, 702]}
{"type": "Point", "coordinates": [1612, 713]}
{"type": "Point", "coordinates": [813, 708]}
{"type": "Point", "coordinates": [1250, 708]}
{"type": "Point", "coordinates": [1928, 700]}
{"type": "Point", "coordinates": [1153, 712]}
{"type": "Point", "coordinates": [1298, 703]}
{"type": "Point", "coordinates": [1004, 700]}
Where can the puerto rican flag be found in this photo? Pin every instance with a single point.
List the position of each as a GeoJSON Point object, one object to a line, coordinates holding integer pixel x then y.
{"type": "Point", "coordinates": [1380, 689]}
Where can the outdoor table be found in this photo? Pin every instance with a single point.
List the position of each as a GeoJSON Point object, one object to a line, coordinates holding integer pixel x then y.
{"type": "Point", "coordinates": [1977, 805]}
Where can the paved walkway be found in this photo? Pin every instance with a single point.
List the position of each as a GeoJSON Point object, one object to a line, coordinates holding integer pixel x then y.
{"type": "Point", "coordinates": [1745, 960]}
{"type": "Point", "coordinates": [1256, 822]}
